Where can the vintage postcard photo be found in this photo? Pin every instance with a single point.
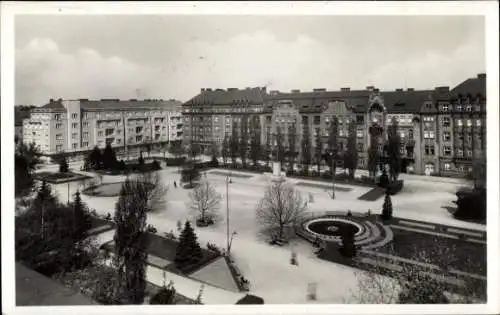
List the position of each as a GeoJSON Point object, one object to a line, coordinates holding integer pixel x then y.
{"type": "Point", "coordinates": [183, 156]}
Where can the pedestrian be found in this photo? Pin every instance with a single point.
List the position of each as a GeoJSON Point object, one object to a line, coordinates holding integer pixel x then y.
{"type": "Point", "coordinates": [175, 184]}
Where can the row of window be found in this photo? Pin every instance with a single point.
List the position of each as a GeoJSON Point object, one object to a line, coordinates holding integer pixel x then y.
{"type": "Point", "coordinates": [459, 122]}
{"type": "Point", "coordinates": [459, 107]}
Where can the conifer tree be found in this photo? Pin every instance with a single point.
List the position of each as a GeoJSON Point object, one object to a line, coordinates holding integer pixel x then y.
{"type": "Point", "coordinates": [130, 243]}
{"type": "Point", "coordinates": [387, 207]}
{"type": "Point", "coordinates": [188, 249]}
{"type": "Point", "coordinates": [166, 295]}
{"type": "Point", "coordinates": [82, 219]}
{"type": "Point", "coordinates": [63, 164]}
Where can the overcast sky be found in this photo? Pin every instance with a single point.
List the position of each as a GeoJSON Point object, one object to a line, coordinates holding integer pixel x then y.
{"type": "Point", "coordinates": [174, 56]}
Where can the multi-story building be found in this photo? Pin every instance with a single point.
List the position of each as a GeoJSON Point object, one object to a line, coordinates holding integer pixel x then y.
{"type": "Point", "coordinates": [442, 130]}
{"type": "Point", "coordinates": [21, 112]}
{"type": "Point", "coordinates": [76, 126]}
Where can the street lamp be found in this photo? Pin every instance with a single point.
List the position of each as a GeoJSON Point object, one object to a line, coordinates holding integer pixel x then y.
{"type": "Point", "coordinates": [231, 241]}
{"type": "Point", "coordinates": [333, 174]}
{"type": "Point", "coordinates": [228, 178]}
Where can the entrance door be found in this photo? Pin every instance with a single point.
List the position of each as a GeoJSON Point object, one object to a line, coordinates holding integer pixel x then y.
{"type": "Point", "coordinates": [429, 169]}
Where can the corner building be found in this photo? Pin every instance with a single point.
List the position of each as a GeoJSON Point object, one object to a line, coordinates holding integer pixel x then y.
{"type": "Point", "coordinates": [442, 130]}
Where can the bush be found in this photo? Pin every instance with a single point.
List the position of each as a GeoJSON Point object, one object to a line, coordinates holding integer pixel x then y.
{"type": "Point", "coordinates": [394, 188]}
{"type": "Point", "coordinates": [204, 223]}
{"type": "Point", "coordinates": [384, 180]}
{"type": "Point", "coordinates": [214, 162]}
{"type": "Point", "coordinates": [214, 248]}
{"type": "Point", "coordinates": [326, 175]}
{"type": "Point", "coordinates": [155, 165]}
{"type": "Point", "coordinates": [151, 229]}
{"type": "Point", "coordinates": [170, 235]}
{"type": "Point", "coordinates": [165, 295]}
{"type": "Point", "coordinates": [108, 217]}
{"type": "Point", "coordinates": [121, 166]}
{"type": "Point", "coordinates": [348, 248]}
{"type": "Point", "coordinates": [471, 205]}
{"type": "Point", "coordinates": [176, 161]}
{"type": "Point", "coordinates": [349, 213]}
{"type": "Point", "coordinates": [304, 172]}
{"type": "Point", "coordinates": [314, 173]}
{"type": "Point", "coordinates": [289, 173]}
{"type": "Point", "coordinates": [387, 208]}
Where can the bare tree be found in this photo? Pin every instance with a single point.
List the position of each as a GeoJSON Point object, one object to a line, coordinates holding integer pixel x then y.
{"type": "Point", "coordinates": [154, 189]}
{"type": "Point", "coordinates": [281, 207]}
{"type": "Point", "coordinates": [407, 283]}
{"type": "Point", "coordinates": [204, 201]}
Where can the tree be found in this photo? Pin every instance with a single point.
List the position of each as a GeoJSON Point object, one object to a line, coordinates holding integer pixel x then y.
{"type": "Point", "coordinates": [305, 149]}
{"type": "Point", "coordinates": [188, 249]}
{"type": "Point", "coordinates": [140, 161]}
{"type": "Point", "coordinates": [94, 160]}
{"type": "Point", "coordinates": [189, 174]}
{"type": "Point", "coordinates": [234, 143]}
{"type": "Point", "coordinates": [166, 295]}
{"type": "Point", "coordinates": [387, 207]}
{"type": "Point", "coordinates": [175, 148]}
{"type": "Point", "coordinates": [255, 143]}
{"type": "Point", "coordinates": [194, 151]}
{"type": "Point", "coordinates": [243, 146]}
{"type": "Point", "coordinates": [318, 150]}
{"type": "Point", "coordinates": [373, 157]}
{"type": "Point", "coordinates": [282, 206]}
{"type": "Point", "coordinates": [394, 150]}
{"type": "Point", "coordinates": [348, 248]}
{"type": "Point", "coordinates": [130, 243]}
{"type": "Point", "coordinates": [82, 218]}
{"type": "Point", "coordinates": [225, 151]}
{"type": "Point", "coordinates": [109, 160]}
{"type": "Point", "coordinates": [479, 173]}
{"type": "Point", "coordinates": [205, 202]}
{"type": "Point", "coordinates": [351, 155]}
{"type": "Point", "coordinates": [214, 151]}
{"type": "Point", "coordinates": [292, 146]}
{"type": "Point", "coordinates": [332, 155]}
{"type": "Point", "coordinates": [280, 148]}
{"type": "Point", "coordinates": [412, 284]}
{"type": "Point", "coordinates": [25, 160]}
{"type": "Point", "coordinates": [155, 191]}
{"type": "Point", "coordinates": [63, 164]}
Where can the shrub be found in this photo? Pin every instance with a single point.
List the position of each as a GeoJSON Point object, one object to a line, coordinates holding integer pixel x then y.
{"type": "Point", "coordinates": [151, 229]}
{"type": "Point", "coordinates": [289, 173]}
{"type": "Point", "coordinates": [304, 172]}
{"type": "Point", "coordinates": [395, 187]}
{"type": "Point", "coordinates": [387, 208]}
{"type": "Point", "coordinates": [170, 235]}
{"type": "Point", "coordinates": [203, 223]}
{"type": "Point", "coordinates": [214, 162]}
{"type": "Point", "coordinates": [471, 205]}
{"type": "Point", "coordinates": [384, 180]}
{"type": "Point", "coordinates": [348, 248]}
{"type": "Point", "coordinates": [349, 213]}
{"type": "Point", "coordinates": [326, 175]}
{"type": "Point", "coordinates": [165, 295]}
{"type": "Point", "coordinates": [214, 248]}
{"type": "Point", "coordinates": [108, 217]}
{"type": "Point", "coordinates": [155, 165]}
{"type": "Point", "coordinates": [121, 166]}
{"type": "Point", "coordinates": [314, 173]}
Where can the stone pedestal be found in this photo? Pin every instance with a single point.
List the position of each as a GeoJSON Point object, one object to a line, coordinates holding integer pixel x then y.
{"type": "Point", "coordinates": [277, 176]}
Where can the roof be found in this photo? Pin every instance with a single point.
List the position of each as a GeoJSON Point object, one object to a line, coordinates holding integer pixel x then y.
{"type": "Point", "coordinates": [251, 299]}
{"type": "Point", "coordinates": [405, 101]}
{"type": "Point", "coordinates": [230, 96]}
{"type": "Point", "coordinates": [35, 289]}
{"type": "Point", "coordinates": [53, 104]}
{"type": "Point", "coordinates": [473, 86]}
{"type": "Point", "coordinates": [129, 104]}
{"type": "Point", "coordinates": [21, 113]}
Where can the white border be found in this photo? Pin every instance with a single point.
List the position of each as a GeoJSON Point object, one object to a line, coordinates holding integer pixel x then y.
{"type": "Point", "coordinates": [489, 9]}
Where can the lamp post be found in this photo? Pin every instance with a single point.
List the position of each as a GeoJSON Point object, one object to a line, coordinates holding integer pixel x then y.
{"type": "Point", "coordinates": [227, 214]}
{"type": "Point", "coordinates": [333, 174]}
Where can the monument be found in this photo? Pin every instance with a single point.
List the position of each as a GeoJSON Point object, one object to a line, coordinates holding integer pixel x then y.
{"type": "Point", "coordinates": [277, 175]}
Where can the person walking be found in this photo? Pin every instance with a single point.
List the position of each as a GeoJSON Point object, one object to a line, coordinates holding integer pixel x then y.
{"type": "Point", "coordinates": [175, 184]}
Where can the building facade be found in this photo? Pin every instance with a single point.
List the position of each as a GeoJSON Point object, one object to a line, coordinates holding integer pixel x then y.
{"type": "Point", "coordinates": [77, 126]}
{"type": "Point", "coordinates": [442, 130]}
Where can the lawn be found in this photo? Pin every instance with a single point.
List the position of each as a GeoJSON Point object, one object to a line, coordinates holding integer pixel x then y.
{"type": "Point", "coordinates": [323, 186]}
{"type": "Point", "coordinates": [58, 178]}
{"type": "Point", "coordinates": [165, 249]}
{"type": "Point", "coordinates": [104, 190]}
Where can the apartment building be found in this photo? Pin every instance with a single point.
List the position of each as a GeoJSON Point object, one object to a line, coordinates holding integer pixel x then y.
{"type": "Point", "coordinates": [442, 130]}
{"type": "Point", "coordinates": [76, 126]}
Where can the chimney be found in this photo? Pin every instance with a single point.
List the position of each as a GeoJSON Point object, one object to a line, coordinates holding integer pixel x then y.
{"type": "Point", "coordinates": [51, 100]}
{"type": "Point", "coordinates": [264, 89]}
{"type": "Point", "coordinates": [370, 88]}
{"type": "Point", "coordinates": [481, 76]}
{"type": "Point", "coordinates": [319, 90]}
{"type": "Point", "coordinates": [274, 92]}
{"type": "Point", "coordinates": [376, 90]}
{"type": "Point", "coordinates": [410, 89]}
{"type": "Point", "coordinates": [59, 100]}
{"type": "Point", "coordinates": [295, 91]}
{"type": "Point", "coordinates": [133, 100]}
{"type": "Point", "coordinates": [399, 90]}
{"type": "Point", "coordinates": [208, 90]}
{"type": "Point", "coordinates": [346, 89]}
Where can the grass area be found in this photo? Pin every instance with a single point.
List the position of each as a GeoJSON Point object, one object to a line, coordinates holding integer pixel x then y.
{"type": "Point", "coordinates": [58, 178]}
{"type": "Point", "coordinates": [235, 175]}
{"type": "Point", "coordinates": [104, 190]}
{"type": "Point", "coordinates": [165, 248]}
{"type": "Point", "coordinates": [323, 186]}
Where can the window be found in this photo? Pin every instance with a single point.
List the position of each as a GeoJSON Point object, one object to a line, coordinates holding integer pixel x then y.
{"type": "Point", "coordinates": [74, 145]}
{"type": "Point", "coordinates": [447, 151]}
{"type": "Point", "coordinates": [74, 135]}
{"type": "Point", "coordinates": [460, 152]}
{"type": "Point", "coordinates": [428, 118]}
{"type": "Point", "coordinates": [118, 131]}
{"type": "Point", "coordinates": [469, 138]}
{"type": "Point", "coordinates": [59, 148]}
{"type": "Point", "coordinates": [433, 150]}
{"type": "Point", "coordinates": [317, 120]}
{"type": "Point", "coordinates": [109, 131]}
{"type": "Point", "coordinates": [428, 134]}
{"type": "Point", "coordinates": [459, 122]}
{"type": "Point", "coordinates": [469, 108]}
{"type": "Point", "coordinates": [59, 125]}
{"type": "Point", "coordinates": [429, 150]}
{"type": "Point", "coordinates": [85, 124]}
{"type": "Point", "coordinates": [445, 107]}
{"type": "Point", "coordinates": [138, 138]}
{"type": "Point", "coordinates": [99, 133]}
{"type": "Point", "coordinates": [85, 144]}
{"type": "Point", "coordinates": [469, 122]}
{"type": "Point", "coordinates": [359, 147]}
{"type": "Point", "coordinates": [410, 133]}
{"type": "Point", "coordinates": [446, 136]}
{"type": "Point", "coordinates": [447, 166]}
{"type": "Point", "coordinates": [446, 121]}
{"type": "Point", "coordinates": [74, 115]}
{"type": "Point", "coordinates": [360, 134]}
{"type": "Point", "coordinates": [74, 125]}
{"type": "Point", "coordinates": [118, 141]}
{"type": "Point", "coordinates": [138, 129]}
{"type": "Point", "coordinates": [402, 134]}
{"type": "Point", "coordinates": [59, 136]}
{"type": "Point", "coordinates": [469, 153]}
{"type": "Point", "coordinates": [478, 122]}
{"type": "Point", "coordinates": [459, 108]}
{"type": "Point", "coordinates": [57, 116]}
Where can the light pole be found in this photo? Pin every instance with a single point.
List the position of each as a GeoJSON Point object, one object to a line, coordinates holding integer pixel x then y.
{"type": "Point", "coordinates": [227, 214]}
{"type": "Point", "coordinates": [333, 174]}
